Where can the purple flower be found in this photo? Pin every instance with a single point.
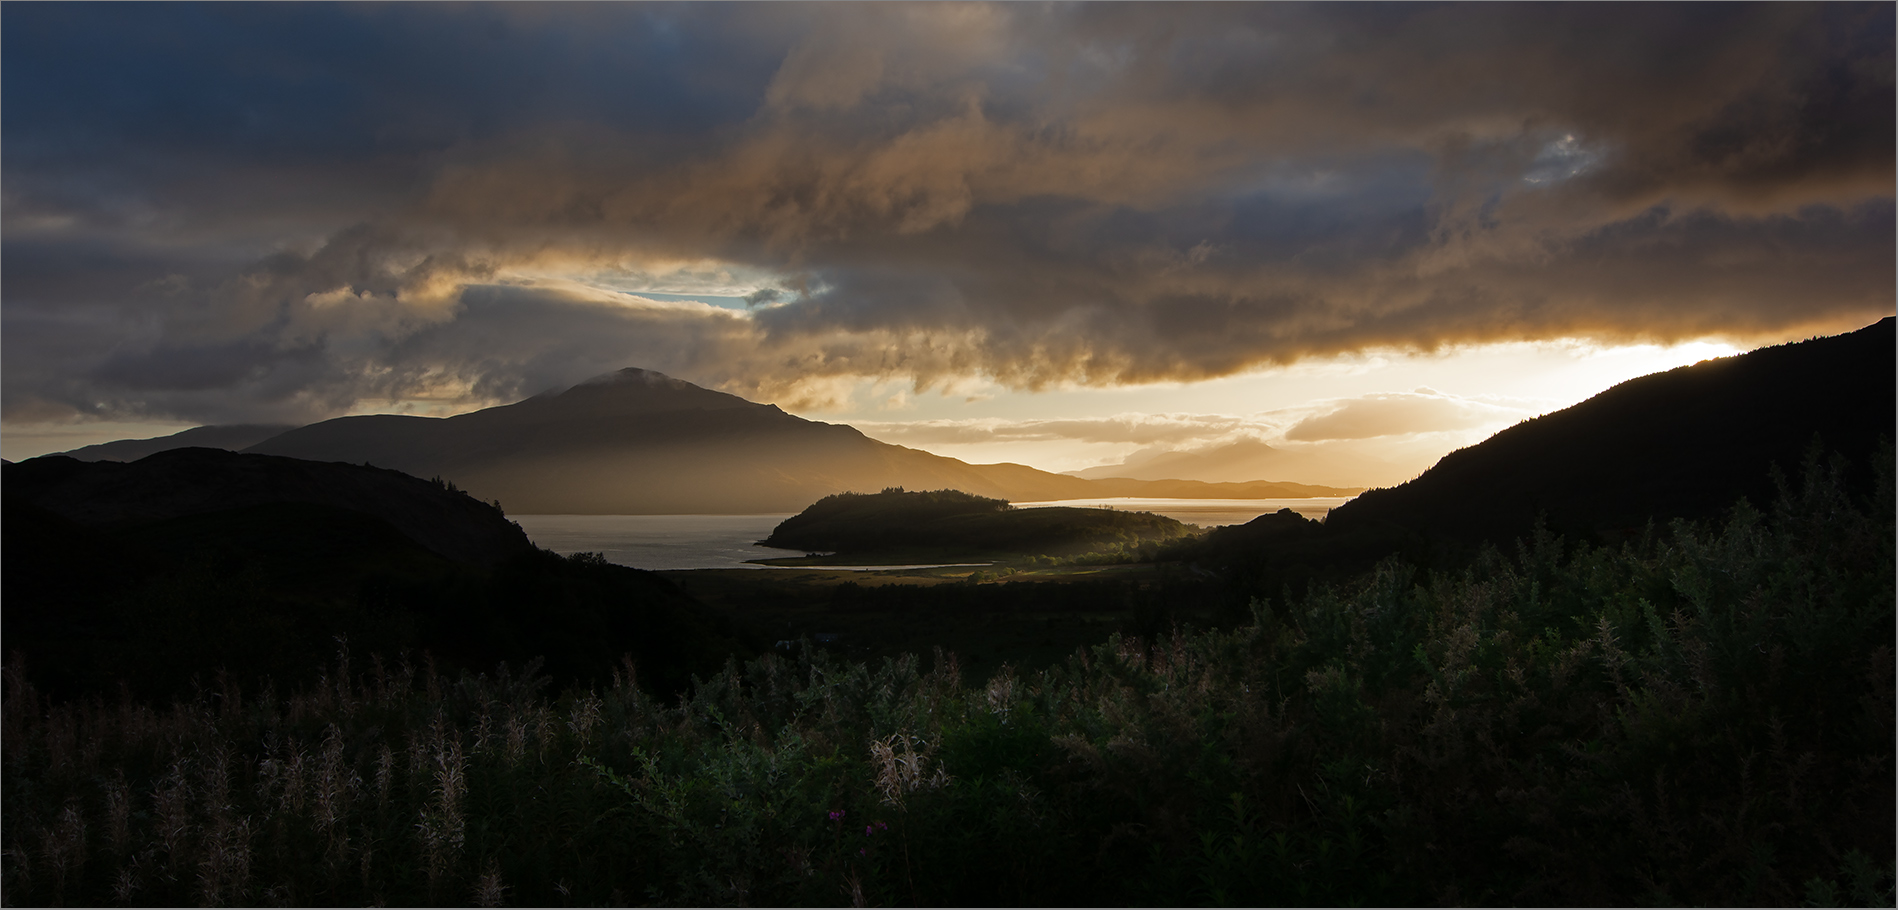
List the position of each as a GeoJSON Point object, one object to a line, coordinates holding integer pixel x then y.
{"type": "Point", "coordinates": [867, 830]}
{"type": "Point", "coordinates": [837, 815]}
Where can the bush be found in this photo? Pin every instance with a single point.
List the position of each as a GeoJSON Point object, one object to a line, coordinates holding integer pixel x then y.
{"type": "Point", "coordinates": [1704, 715]}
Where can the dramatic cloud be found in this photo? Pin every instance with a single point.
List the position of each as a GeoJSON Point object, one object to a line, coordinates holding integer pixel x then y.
{"type": "Point", "coordinates": [1424, 411]}
{"type": "Point", "coordinates": [1141, 429]}
{"type": "Point", "coordinates": [283, 212]}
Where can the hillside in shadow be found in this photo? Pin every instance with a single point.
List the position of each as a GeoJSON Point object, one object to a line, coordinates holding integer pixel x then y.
{"type": "Point", "coordinates": [1685, 443]}
{"type": "Point", "coordinates": [196, 561]}
{"type": "Point", "coordinates": [1688, 444]}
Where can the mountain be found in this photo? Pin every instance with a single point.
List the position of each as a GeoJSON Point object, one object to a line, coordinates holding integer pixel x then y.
{"type": "Point", "coordinates": [1685, 443]}
{"type": "Point", "coordinates": [1244, 460]}
{"type": "Point", "coordinates": [235, 437]}
{"type": "Point", "coordinates": [640, 442]}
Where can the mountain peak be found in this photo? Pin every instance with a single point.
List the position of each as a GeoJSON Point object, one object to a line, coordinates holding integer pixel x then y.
{"type": "Point", "coordinates": [632, 391]}
{"type": "Point", "coordinates": [632, 375]}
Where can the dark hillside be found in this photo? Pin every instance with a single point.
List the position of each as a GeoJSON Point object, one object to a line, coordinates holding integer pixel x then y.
{"type": "Point", "coordinates": [196, 562]}
{"type": "Point", "coordinates": [198, 480]}
{"type": "Point", "coordinates": [1684, 443]}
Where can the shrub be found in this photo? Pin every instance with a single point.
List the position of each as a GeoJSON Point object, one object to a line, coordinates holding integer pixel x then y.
{"type": "Point", "coordinates": [1702, 715]}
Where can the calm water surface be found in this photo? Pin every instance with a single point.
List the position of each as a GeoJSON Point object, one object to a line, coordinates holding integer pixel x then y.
{"type": "Point", "coordinates": [659, 541]}
{"type": "Point", "coordinates": [1206, 513]}
{"type": "Point", "coordinates": [726, 541]}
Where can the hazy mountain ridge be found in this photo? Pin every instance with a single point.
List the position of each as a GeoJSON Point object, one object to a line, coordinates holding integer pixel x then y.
{"type": "Point", "coordinates": [230, 437]}
{"type": "Point", "coordinates": [1242, 461]}
{"type": "Point", "coordinates": [640, 442]}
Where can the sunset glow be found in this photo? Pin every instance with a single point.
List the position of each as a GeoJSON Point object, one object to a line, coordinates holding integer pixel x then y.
{"type": "Point", "coordinates": [984, 231]}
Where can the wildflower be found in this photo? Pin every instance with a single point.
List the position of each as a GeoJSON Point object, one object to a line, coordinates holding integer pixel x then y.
{"type": "Point", "coordinates": [837, 815]}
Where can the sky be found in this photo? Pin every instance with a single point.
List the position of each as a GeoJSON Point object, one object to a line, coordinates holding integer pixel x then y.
{"type": "Point", "coordinates": [1059, 234]}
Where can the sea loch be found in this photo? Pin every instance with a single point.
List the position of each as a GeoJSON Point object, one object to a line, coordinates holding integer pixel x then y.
{"type": "Point", "coordinates": [728, 541]}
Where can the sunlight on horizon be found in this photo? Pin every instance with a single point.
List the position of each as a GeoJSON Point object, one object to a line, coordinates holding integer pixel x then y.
{"type": "Point", "coordinates": [1557, 374]}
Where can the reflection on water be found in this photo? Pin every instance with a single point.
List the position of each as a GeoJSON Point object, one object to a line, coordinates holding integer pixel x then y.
{"type": "Point", "coordinates": [726, 541]}
{"type": "Point", "coordinates": [659, 541]}
{"type": "Point", "coordinates": [1206, 513]}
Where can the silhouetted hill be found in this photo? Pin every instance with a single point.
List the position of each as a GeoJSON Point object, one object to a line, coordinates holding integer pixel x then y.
{"type": "Point", "coordinates": [230, 438]}
{"type": "Point", "coordinates": [194, 561]}
{"type": "Point", "coordinates": [1685, 443]}
{"type": "Point", "coordinates": [954, 521]}
{"type": "Point", "coordinates": [191, 481]}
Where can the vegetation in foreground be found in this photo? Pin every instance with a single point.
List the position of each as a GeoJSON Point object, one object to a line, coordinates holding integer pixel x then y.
{"type": "Point", "coordinates": [1703, 716]}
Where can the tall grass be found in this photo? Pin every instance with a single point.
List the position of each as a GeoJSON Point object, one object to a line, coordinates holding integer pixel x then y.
{"type": "Point", "coordinates": [1704, 716]}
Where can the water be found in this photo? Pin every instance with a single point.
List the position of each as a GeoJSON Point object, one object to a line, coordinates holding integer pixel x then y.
{"type": "Point", "coordinates": [659, 541]}
{"type": "Point", "coordinates": [725, 541]}
{"type": "Point", "coordinates": [1206, 513]}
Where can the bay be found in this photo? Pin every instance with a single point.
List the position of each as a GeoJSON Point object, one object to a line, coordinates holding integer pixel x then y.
{"type": "Point", "coordinates": [659, 541]}
{"type": "Point", "coordinates": [728, 541]}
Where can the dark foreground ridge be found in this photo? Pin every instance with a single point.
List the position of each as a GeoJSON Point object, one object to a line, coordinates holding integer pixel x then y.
{"type": "Point", "coordinates": [196, 563]}
{"type": "Point", "coordinates": [195, 481]}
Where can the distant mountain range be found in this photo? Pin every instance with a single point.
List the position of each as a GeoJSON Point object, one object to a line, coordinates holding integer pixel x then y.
{"type": "Point", "coordinates": [639, 442]}
{"type": "Point", "coordinates": [1686, 443]}
{"type": "Point", "coordinates": [233, 438]}
{"type": "Point", "coordinates": [1239, 461]}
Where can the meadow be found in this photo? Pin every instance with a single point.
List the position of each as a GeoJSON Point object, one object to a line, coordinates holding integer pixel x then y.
{"type": "Point", "coordinates": [1700, 716]}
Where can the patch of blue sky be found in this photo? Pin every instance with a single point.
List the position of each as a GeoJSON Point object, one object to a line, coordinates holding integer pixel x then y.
{"type": "Point", "coordinates": [729, 303]}
{"type": "Point", "coordinates": [1560, 160]}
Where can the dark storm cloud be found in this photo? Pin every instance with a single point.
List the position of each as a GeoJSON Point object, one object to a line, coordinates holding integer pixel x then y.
{"type": "Point", "coordinates": [274, 210]}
